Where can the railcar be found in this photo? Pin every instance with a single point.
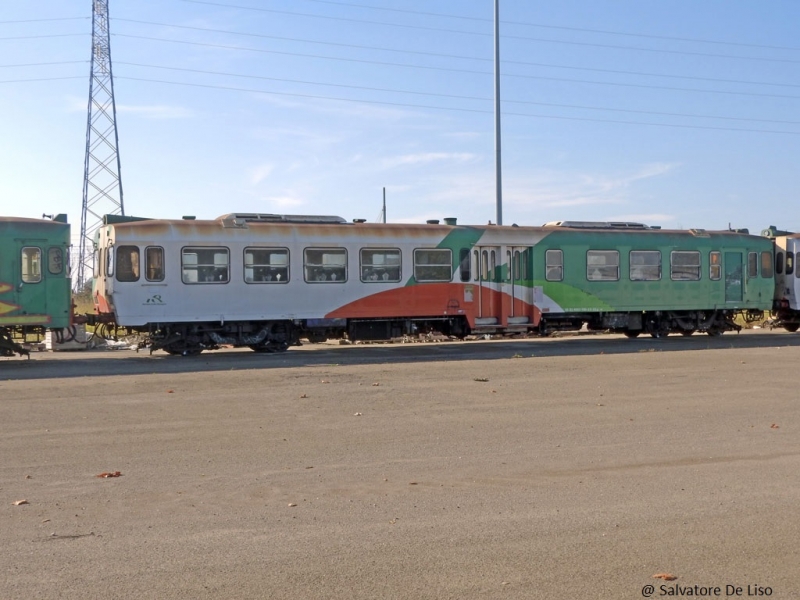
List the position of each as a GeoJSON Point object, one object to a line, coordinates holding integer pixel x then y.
{"type": "Point", "coordinates": [264, 281]}
{"type": "Point", "coordinates": [35, 292]}
{"type": "Point", "coordinates": [786, 302]}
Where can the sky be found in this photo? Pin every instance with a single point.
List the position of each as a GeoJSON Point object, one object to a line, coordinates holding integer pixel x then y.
{"type": "Point", "coordinates": [675, 113]}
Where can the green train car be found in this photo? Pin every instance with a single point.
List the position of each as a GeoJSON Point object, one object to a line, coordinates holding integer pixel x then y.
{"type": "Point", "coordinates": [630, 278]}
{"type": "Point", "coordinates": [35, 290]}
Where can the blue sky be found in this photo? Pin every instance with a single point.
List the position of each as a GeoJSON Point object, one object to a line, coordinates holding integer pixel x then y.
{"type": "Point", "coordinates": [676, 113]}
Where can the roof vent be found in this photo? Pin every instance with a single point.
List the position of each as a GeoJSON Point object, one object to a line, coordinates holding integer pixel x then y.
{"type": "Point", "coordinates": [432, 221]}
{"type": "Point", "coordinates": [359, 220]}
{"type": "Point", "coordinates": [450, 221]}
{"type": "Point", "coordinates": [188, 217]}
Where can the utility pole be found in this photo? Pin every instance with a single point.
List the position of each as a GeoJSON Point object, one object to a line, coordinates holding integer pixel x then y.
{"type": "Point", "coordinates": [102, 177]}
{"type": "Point", "coordinates": [384, 205]}
{"type": "Point", "coordinates": [498, 162]}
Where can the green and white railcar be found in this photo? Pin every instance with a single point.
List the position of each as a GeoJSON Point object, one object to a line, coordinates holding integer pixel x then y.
{"type": "Point", "coordinates": [35, 292]}
{"type": "Point", "coordinates": [630, 278]}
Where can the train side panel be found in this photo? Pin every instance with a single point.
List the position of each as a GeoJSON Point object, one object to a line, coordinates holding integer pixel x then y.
{"type": "Point", "coordinates": [35, 290]}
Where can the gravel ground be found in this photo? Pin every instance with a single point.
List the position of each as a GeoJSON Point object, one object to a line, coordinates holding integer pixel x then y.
{"type": "Point", "coordinates": [547, 469]}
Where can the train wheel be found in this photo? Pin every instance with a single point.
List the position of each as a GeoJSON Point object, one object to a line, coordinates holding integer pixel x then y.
{"type": "Point", "coordinates": [659, 334]}
{"type": "Point", "coordinates": [714, 332]}
{"type": "Point", "coordinates": [631, 334]}
{"type": "Point", "coordinates": [791, 327]}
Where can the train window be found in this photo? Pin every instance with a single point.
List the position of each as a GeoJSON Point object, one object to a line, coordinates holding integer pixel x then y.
{"type": "Point", "coordinates": [128, 263]}
{"type": "Point", "coordinates": [508, 265]}
{"type": "Point", "coordinates": [464, 264]}
{"type": "Point", "coordinates": [645, 265]}
{"type": "Point", "coordinates": [766, 264]}
{"type": "Point", "coordinates": [523, 265]}
{"type": "Point", "coordinates": [55, 261]}
{"type": "Point", "coordinates": [110, 261]}
{"type": "Point", "coordinates": [789, 263]}
{"type": "Point", "coordinates": [266, 265]}
{"type": "Point", "coordinates": [96, 263]}
{"type": "Point", "coordinates": [484, 265]}
{"type": "Point", "coordinates": [752, 264]}
{"type": "Point", "coordinates": [382, 265]}
{"type": "Point", "coordinates": [685, 265]}
{"type": "Point", "coordinates": [797, 271]}
{"type": "Point", "coordinates": [554, 263]}
{"type": "Point", "coordinates": [433, 265]}
{"type": "Point", "coordinates": [31, 265]}
{"type": "Point", "coordinates": [715, 266]}
{"type": "Point", "coordinates": [602, 265]}
{"type": "Point", "coordinates": [325, 265]}
{"type": "Point", "coordinates": [493, 266]}
{"type": "Point", "coordinates": [476, 264]}
{"type": "Point", "coordinates": [154, 263]}
{"type": "Point", "coordinates": [778, 263]}
{"type": "Point", "coordinates": [205, 265]}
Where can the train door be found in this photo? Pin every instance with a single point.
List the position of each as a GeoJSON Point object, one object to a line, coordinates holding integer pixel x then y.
{"type": "Point", "coordinates": [520, 283]}
{"type": "Point", "coordinates": [30, 292]}
{"type": "Point", "coordinates": [733, 277]}
{"type": "Point", "coordinates": [488, 276]}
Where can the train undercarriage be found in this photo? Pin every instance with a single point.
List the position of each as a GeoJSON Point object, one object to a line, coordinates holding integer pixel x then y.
{"type": "Point", "coordinates": [656, 323]}
{"type": "Point", "coordinates": [188, 339]}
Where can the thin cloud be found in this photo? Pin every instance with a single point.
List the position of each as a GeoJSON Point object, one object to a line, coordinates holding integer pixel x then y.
{"type": "Point", "coordinates": [428, 157]}
{"type": "Point", "coordinates": [260, 173]}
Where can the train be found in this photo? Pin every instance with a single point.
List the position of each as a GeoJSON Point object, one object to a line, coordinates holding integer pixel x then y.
{"type": "Point", "coordinates": [267, 281]}
{"type": "Point", "coordinates": [35, 290]}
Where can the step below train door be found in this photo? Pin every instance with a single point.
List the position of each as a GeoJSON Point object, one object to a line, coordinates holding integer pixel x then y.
{"type": "Point", "coordinates": [520, 284]}
{"type": "Point", "coordinates": [488, 276]}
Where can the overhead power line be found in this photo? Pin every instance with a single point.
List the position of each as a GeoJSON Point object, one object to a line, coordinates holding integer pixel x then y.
{"type": "Point", "coordinates": [44, 20]}
{"type": "Point", "coordinates": [516, 37]}
{"type": "Point", "coordinates": [523, 23]}
{"type": "Point", "coordinates": [454, 96]}
{"type": "Point", "coordinates": [468, 71]}
{"type": "Point", "coordinates": [448, 108]}
{"type": "Point", "coordinates": [477, 58]}
{"type": "Point", "coordinates": [570, 43]}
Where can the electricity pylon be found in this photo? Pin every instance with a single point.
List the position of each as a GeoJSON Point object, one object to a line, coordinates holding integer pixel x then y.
{"type": "Point", "coordinates": [102, 175]}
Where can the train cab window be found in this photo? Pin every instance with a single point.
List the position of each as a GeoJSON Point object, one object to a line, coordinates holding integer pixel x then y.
{"type": "Point", "coordinates": [464, 264]}
{"type": "Point", "coordinates": [602, 265]}
{"type": "Point", "coordinates": [752, 264]}
{"type": "Point", "coordinates": [554, 265]}
{"type": "Point", "coordinates": [789, 263]}
{"type": "Point", "coordinates": [154, 263]}
{"type": "Point", "coordinates": [766, 265]}
{"type": "Point", "coordinates": [31, 265]}
{"type": "Point", "coordinates": [685, 265]}
{"type": "Point", "coordinates": [779, 263]}
{"type": "Point", "coordinates": [382, 265]}
{"type": "Point", "coordinates": [325, 265]}
{"type": "Point", "coordinates": [128, 263]}
{"type": "Point", "coordinates": [433, 265]}
{"type": "Point", "coordinates": [797, 270]}
{"type": "Point", "coordinates": [266, 265]}
{"type": "Point", "coordinates": [55, 261]}
{"type": "Point", "coordinates": [109, 261]}
{"type": "Point", "coordinates": [205, 265]}
{"type": "Point", "coordinates": [715, 266]}
{"type": "Point", "coordinates": [645, 265]}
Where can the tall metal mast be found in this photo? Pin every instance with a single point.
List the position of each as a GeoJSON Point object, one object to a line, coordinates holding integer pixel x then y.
{"type": "Point", "coordinates": [497, 145]}
{"type": "Point", "coordinates": [102, 175]}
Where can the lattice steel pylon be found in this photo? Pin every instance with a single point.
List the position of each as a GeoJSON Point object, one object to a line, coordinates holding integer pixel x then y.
{"type": "Point", "coordinates": [102, 174]}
